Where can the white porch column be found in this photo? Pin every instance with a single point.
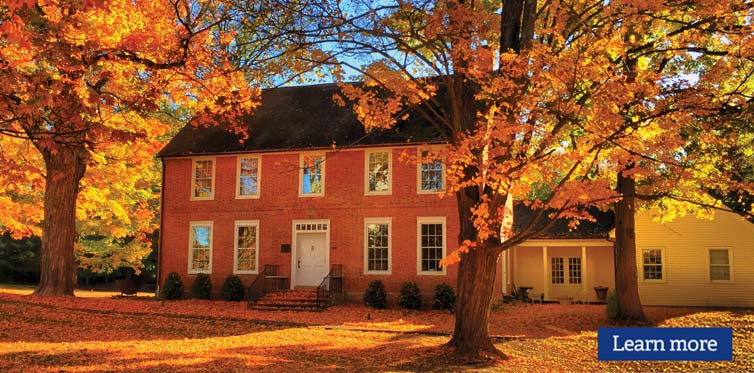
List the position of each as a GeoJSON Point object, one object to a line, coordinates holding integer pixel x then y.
{"type": "Point", "coordinates": [510, 265]}
{"type": "Point", "coordinates": [584, 278]}
{"type": "Point", "coordinates": [544, 271]}
{"type": "Point", "coordinates": [504, 277]}
{"type": "Point", "coordinates": [514, 268]}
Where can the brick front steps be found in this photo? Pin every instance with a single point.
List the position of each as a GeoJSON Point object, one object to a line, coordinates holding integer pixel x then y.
{"type": "Point", "coordinates": [292, 300]}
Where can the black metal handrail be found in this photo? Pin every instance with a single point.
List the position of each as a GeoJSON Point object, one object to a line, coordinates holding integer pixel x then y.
{"type": "Point", "coordinates": [332, 282]}
{"type": "Point", "coordinates": [258, 287]}
{"type": "Point", "coordinates": [323, 291]}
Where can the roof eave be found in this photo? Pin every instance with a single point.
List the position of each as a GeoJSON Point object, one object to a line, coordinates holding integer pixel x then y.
{"type": "Point", "coordinates": [406, 144]}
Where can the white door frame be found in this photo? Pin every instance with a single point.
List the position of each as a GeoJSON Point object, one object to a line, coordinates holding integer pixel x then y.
{"type": "Point", "coordinates": [295, 232]}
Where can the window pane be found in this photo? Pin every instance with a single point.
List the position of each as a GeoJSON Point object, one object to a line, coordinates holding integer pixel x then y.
{"type": "Point", "coordinates": [721, 273]}
{"type": "Point", "coordinates": [719, 265]}
{"type": "Point", "coordinates": [717, 256]}
{"type": "Point", "coordinates": [557, 271]}
{"type": "Point", "coordinates": [247, 259]}
{"type": "Point", "coordinates": [249, 173]}
{"type": "Point", "coordinates": [652, 259]}
{"type": "Point", "coordinates": [203, 188]}
{"type": "Point", "coordinates": [203, 169]}
{"type": "Point", "coordinates": [574, 270]}
{"type": "Point", "coordinates": [431, 175]}
{"type": "Point", "coordinates": [203, 178]}
{"type": "Point", "coordinates": [377, 247]}
{"type": "Point", "coordinates": [246, 248]}
{"type": "Point", "coordinates": [200, 261]}
{"type": "Point", "coordinates": [378, 172]}
{"type": "Point", "coordinates": [432, 247]}
{"type": "Point", "coordinates": [200, 236]}
{"type": "Point", "coordinates": [247, 236]}
{"type": "Point", "coordinates": [312, 175]}
{"type": "Point", "coordinates": [200, 250]}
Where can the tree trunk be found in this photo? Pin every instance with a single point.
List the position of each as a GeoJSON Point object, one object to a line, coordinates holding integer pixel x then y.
{"type": "Point", "coordinates": [476, 278]}
{"type": "Point", "coordinates": [475, 283]}
{"type": "Point", "coordinates": [626, 283]}
{"type": "Point", "coordinates": [64, 166]}
{"type": "Point", "coordinates": [476, 271]}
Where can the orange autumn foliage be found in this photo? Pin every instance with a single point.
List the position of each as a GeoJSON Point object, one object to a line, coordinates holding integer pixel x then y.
{"type": "Point", "coordinates": [81, 85]}
{"type": "Point", "coordinates": [589, 88]}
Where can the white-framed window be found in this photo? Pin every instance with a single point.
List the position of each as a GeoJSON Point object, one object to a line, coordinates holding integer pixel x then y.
{"type": "Point", "coordinates": [312, 175]}
{"type": "Point", "coordinates": [430, 176]}
{"type": "Point", "coordinates": [430, 237]}
{"type": "Point", "coordinates": [200, 247]}
{"type": "Point", "coordinates": [377, 232]}
{"type": "Point", "coordinates": [574, 270]}
{"type": "Point", "coordinates": [379, 171]}
{"type": "Point", "coordinates": [719, 265]}
{"type": "Point", "coordinates": [249, 171]}
{"type": "Point", "coordinates": [203, 179]}
{"type": "Point", "coordinates": [246, 250]}
{"type": "Point", "coordinates": [653, 260]}
{"type": "Point", "coordinates": [557, 270]}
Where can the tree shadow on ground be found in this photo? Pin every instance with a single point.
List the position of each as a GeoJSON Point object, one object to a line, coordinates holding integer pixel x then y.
{"type": "Point", "coordinates": [554, 320]}
{"type": "Point", "coordinates": [393, 356]}
{"type": "Point", "coordinates": [41, 324]}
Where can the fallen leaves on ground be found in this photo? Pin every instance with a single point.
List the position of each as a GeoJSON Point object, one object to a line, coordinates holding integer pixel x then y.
{"type": "Point", "coordinates": [523, 320]}
{"type": "Point", "coordinates": [96, 334]}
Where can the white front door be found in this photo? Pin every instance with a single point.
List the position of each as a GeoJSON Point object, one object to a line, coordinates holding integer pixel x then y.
{"type": "Point", "coordinates": [311, 258]}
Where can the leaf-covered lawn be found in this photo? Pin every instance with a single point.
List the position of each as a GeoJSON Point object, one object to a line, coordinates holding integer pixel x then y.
{"type": "Point", "coordinates": [101, 334]}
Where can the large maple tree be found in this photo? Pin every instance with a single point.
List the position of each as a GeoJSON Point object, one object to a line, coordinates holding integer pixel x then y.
{"type": "Point", "coordinates": [79, 79]}
{"type": "Point", "coordinates": [579, 99]}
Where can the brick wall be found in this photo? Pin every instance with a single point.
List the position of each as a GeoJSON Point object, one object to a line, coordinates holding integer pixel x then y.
{"type": "Point", "coordinates": [344, 204]}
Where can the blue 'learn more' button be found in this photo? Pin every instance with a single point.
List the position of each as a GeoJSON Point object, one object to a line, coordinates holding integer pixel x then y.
{"type": "Point", "coordinates": [707, 344]}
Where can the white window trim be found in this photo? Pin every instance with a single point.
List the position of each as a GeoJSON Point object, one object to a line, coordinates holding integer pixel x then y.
{"type": "Point", "coordinates": [389, 222]}
{"type": "Point", "coordinates": [245, 223]}
{"type": "Point", "coordinates": [193, 224]}
{"type": "Point", "coordinates": [419, 189]}
{"type": "Point", "coordinates": [238, 177]}
{"type": "Point", "coordinates": [430, 220]}
{"type": "Point", "coordinates": [389, 190]}
{"type": "Point", "coordinates": [301, 173]}
{"type": "Point", "coordinates": [193, 178]}
{"type": "Point", "coordinates": [663, 263]}
{"type": "Point", "coordinates": [730, 266]}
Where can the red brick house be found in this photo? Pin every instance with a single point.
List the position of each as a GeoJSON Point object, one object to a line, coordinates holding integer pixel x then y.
{"type": "Point", "coordinates": [297, 194]}
{"type": "Point", "coordinates": [311, 189]}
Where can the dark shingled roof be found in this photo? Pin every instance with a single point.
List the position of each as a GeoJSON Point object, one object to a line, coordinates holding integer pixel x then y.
{"type": "Point", "coordinates": [302, 117]}
{"type": "Point", "coordinates": [600, 228]}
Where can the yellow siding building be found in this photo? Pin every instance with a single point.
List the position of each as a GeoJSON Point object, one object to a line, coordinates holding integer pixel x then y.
{"type": "Point", "coordinates": [701, 262]}
{"type": "Point", "coordinates": [685, 262]}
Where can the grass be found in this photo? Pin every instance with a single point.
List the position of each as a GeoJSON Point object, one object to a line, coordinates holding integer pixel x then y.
{"type": "Point", "coordinates": [126, 334]}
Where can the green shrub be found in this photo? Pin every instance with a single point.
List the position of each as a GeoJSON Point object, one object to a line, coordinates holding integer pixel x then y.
{"type": "Point", "coordinates": [202, 287]}
{"type": "Point", "coordinates": [411, 296]}
{"type": "Point", "coordinates": [375, 296]}
{"type": "Point", "coordinates": [173, 287]}
{"type": "Point", "coordinates": [611, 308]}
{"type": "Point", "coordinates": [233, 289]}
{"type": "Point", "coordinates": [445, 297]}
